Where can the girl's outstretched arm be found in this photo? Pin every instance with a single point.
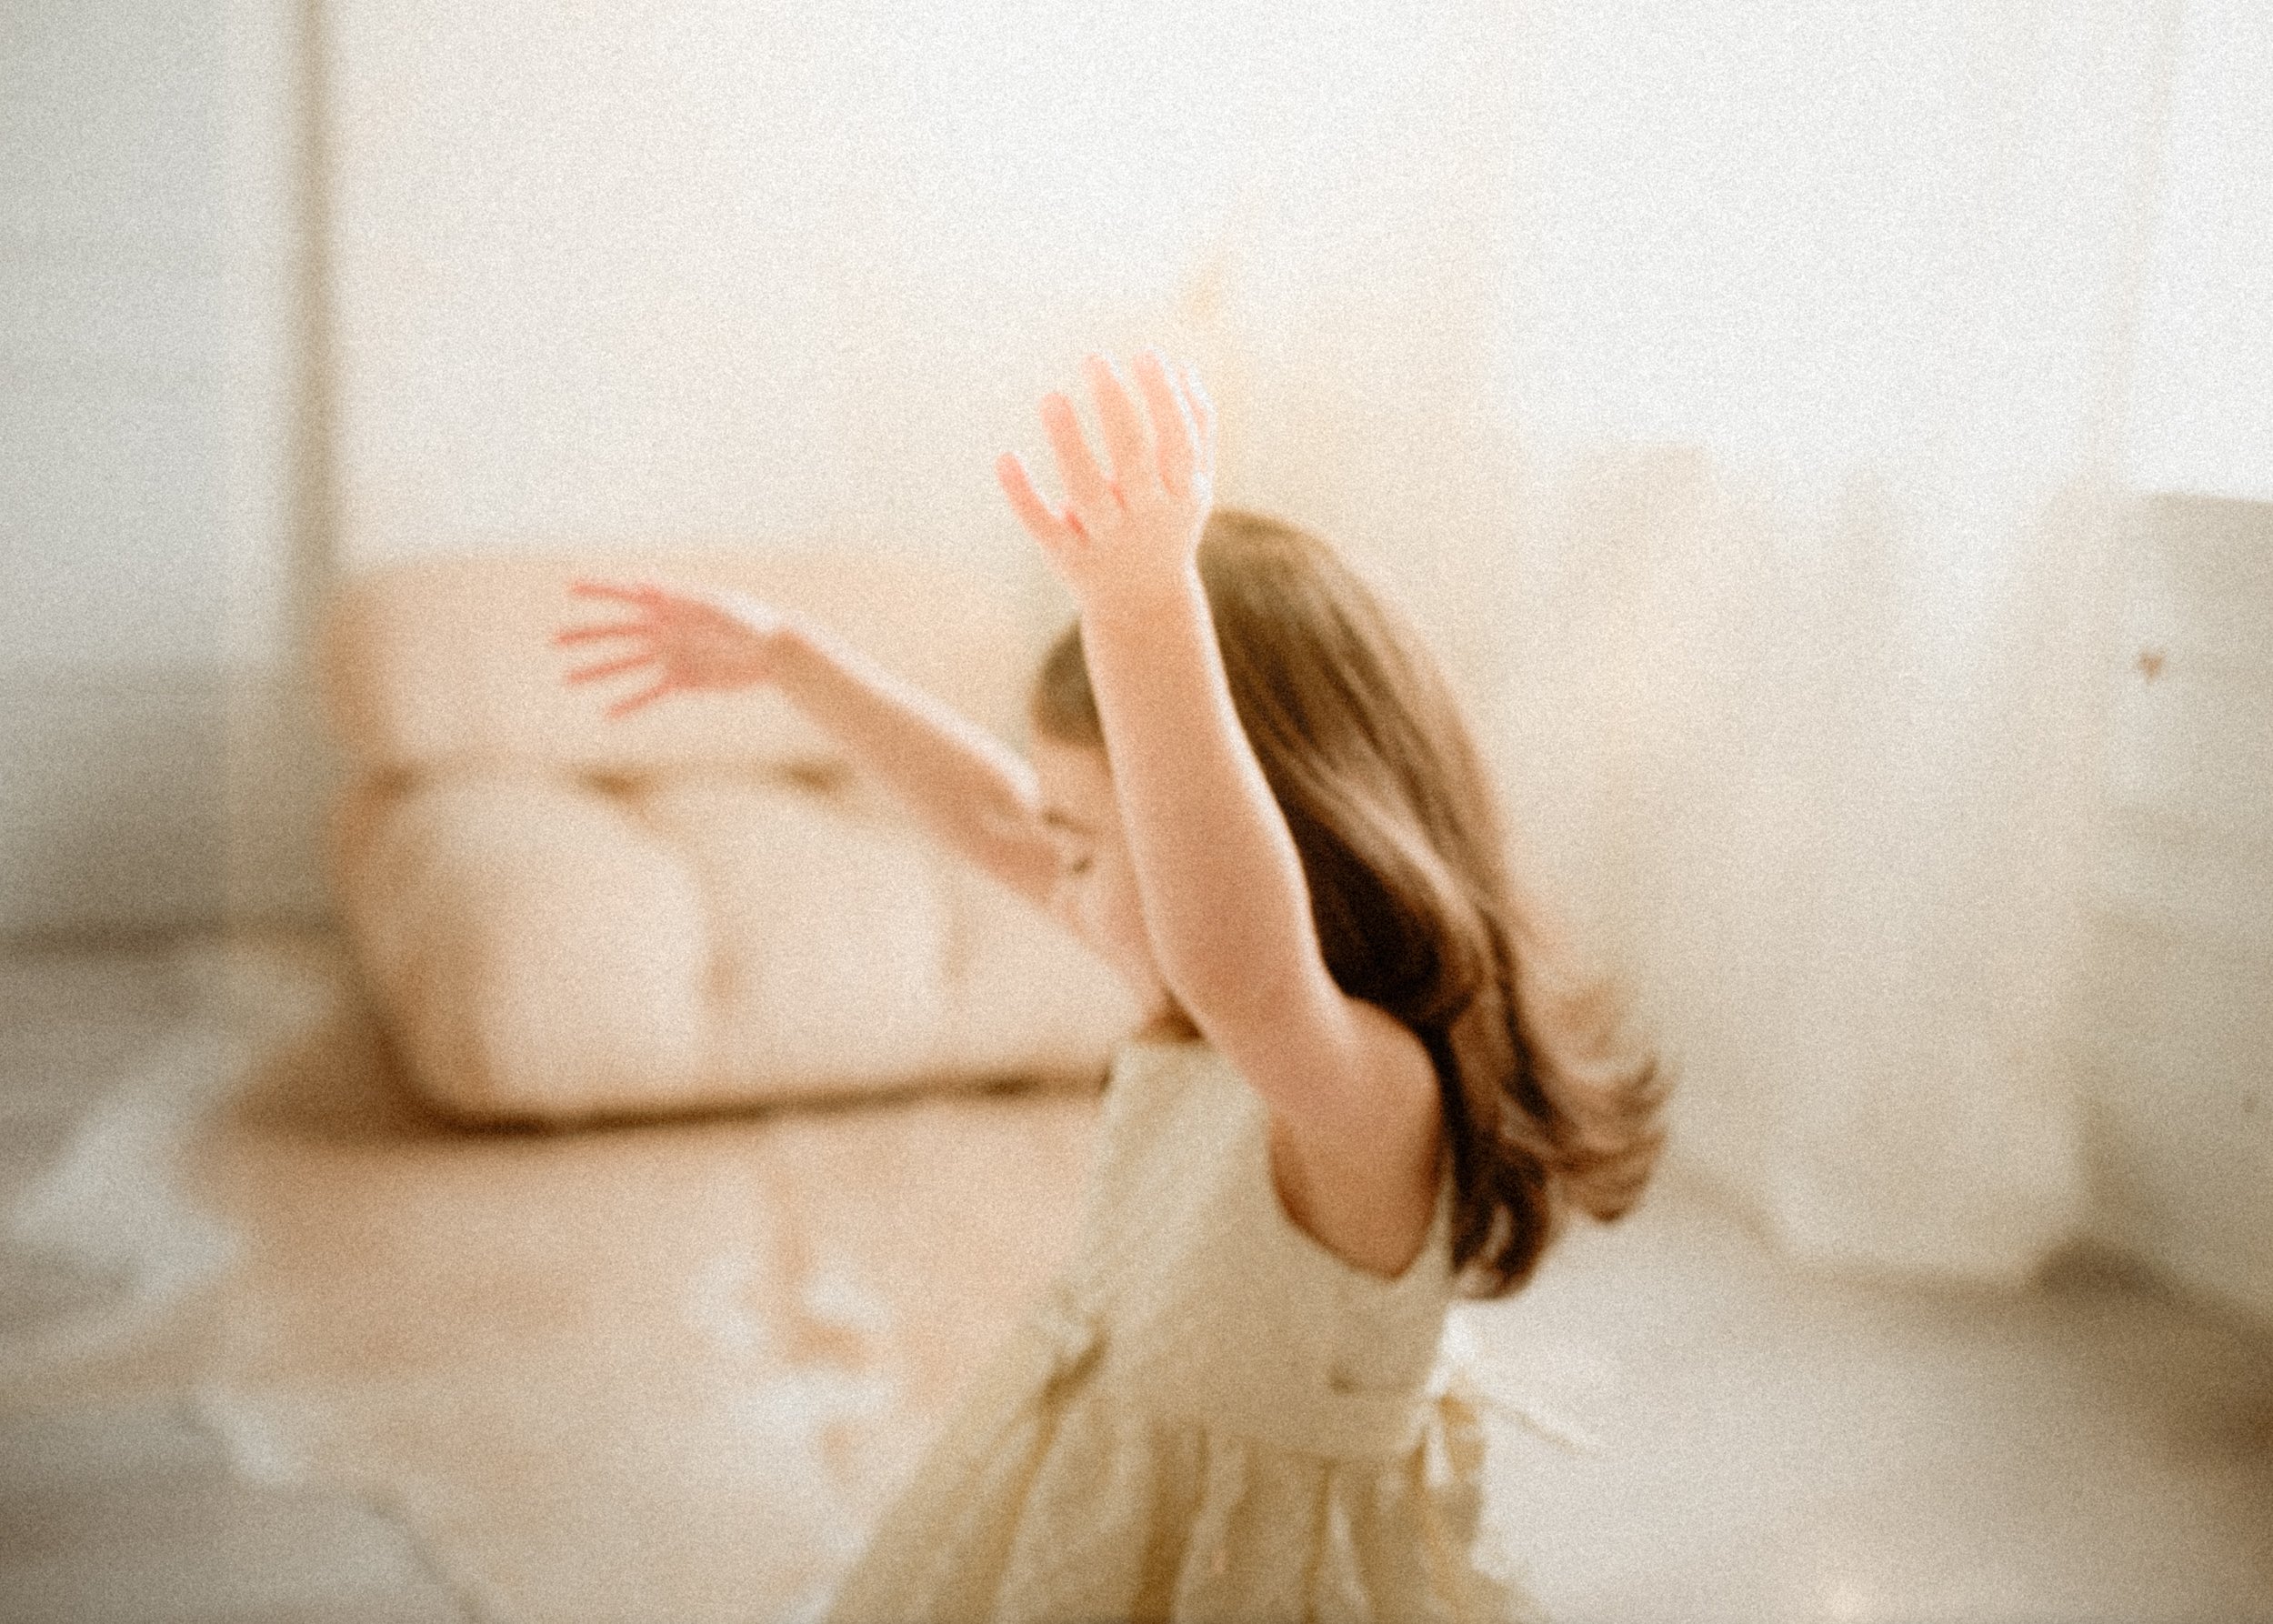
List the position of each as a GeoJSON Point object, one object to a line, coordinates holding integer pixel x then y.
{"type": "Point", "coordinates": [970, 789]}
{"type": "Point", "coordinates": [1225, 901]}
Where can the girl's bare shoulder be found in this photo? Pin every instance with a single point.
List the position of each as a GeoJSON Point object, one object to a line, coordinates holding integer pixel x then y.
{"type": "Point", "coordinates": [1363, 1181]}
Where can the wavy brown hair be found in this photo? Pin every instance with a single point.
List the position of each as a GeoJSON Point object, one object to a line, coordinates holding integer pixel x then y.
{"type": "Point", "coordinates": [1404, 851]}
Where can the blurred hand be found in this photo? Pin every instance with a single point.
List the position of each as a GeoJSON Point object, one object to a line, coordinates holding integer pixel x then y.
{"type": "Point", "coordinates": [1136, 520]}
{"type": "Point", "coordinates": [693, 640]}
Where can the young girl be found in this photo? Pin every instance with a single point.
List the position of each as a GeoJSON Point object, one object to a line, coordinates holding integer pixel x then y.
{"type": "Point", "coordinates": [1253, 793]}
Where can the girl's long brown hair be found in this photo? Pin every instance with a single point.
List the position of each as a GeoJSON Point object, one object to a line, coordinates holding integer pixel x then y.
{"type": "Point", "coordinates": [1403, 847]}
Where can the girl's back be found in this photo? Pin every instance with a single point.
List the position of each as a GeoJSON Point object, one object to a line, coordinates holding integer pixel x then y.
{"type": "Point", "coordinates": [1208, 1416]}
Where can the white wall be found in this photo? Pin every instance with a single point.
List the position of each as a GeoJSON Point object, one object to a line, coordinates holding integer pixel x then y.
{"type": "Point", "coordinates": [149, 510]}
{"type": "Point", "coordinates": [112, 735]}
{"type": "Point", "coordinates": [753, 274]}
{"type": "Point", "coordinates": [2202, 419]}
{"type": "Point", "coordinates": [735, 272]}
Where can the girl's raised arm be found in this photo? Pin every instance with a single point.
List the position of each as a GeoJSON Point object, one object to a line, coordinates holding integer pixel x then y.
{"type": "Point", "coordinates": [1224, 900]}
{"type": "Point", "coordinates": [965, 786]}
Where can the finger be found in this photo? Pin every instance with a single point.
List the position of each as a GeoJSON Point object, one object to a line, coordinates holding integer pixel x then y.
{"type": "Point", "coordinates": [624, 707]}
{"type": "Point", "coordinates": [1087, 487]}
{"type": "Point", "coordinates": [1173, 429]}
{"type": "Point", "coordinates": [592, 673]}
{"type": "Point", "coordinates": [585, 634]}
{"type": "Point", "coordinates": [1046, 526]}
{"type": "Point", "coordinates": [1127, 443]}
{"type": "Point", "coordinates": [640, 593]}
{"type": "Point", "coordinates": [753, 613]}
{"type": "Point", "coordinates": [1203, 418]}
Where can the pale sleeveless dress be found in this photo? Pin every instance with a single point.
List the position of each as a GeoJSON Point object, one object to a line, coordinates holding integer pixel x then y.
{"type": "Point", "coordinates": [1207, 1417]}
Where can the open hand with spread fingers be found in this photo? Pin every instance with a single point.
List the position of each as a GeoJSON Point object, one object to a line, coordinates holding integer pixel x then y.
{"type": "Point", "coordinates": [692, 640]}
{"type": "Point", "coordinates": [1134, 523]}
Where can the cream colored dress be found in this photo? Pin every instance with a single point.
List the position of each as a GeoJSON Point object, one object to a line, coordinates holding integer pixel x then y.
{"type": "Point", "coordinates": [1207, 1417]}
